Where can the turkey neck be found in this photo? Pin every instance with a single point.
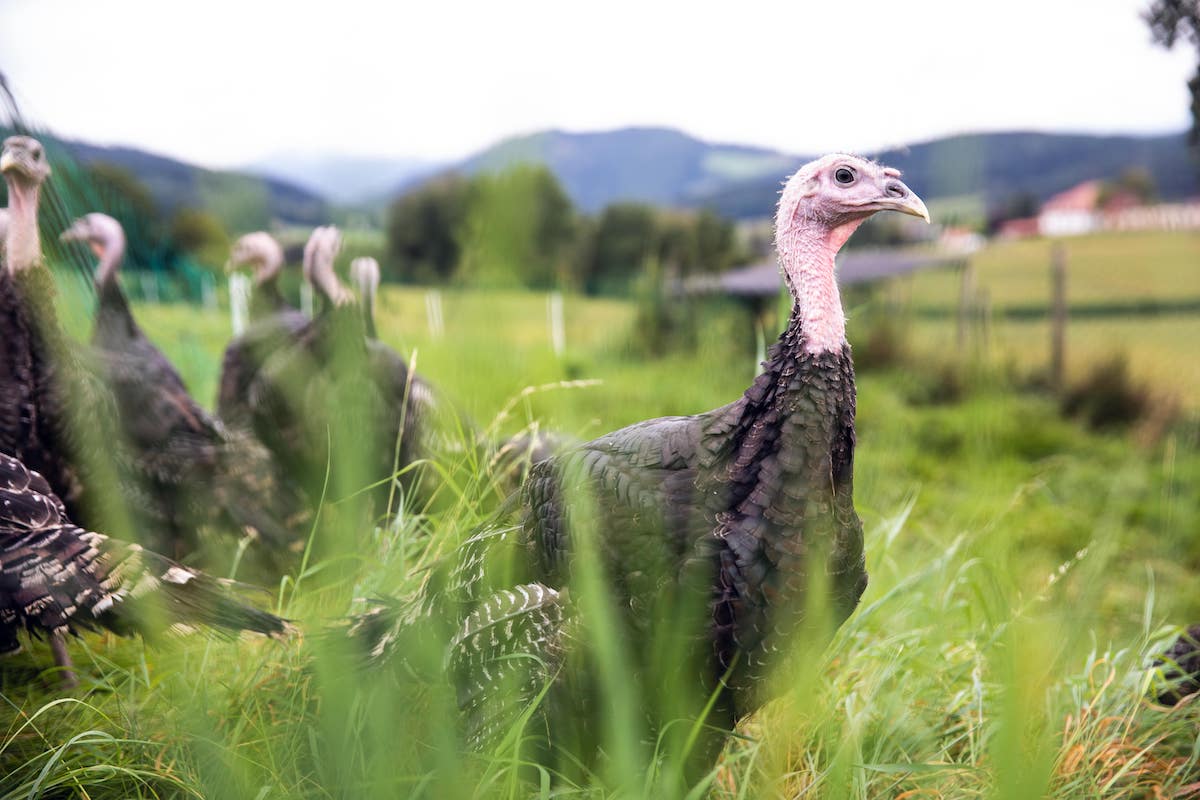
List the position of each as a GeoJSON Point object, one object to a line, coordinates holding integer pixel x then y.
{"type": "Point", "coordinates": [368, 301]}
{"type": "Point", "coordinates": [806, 254]}
{"type": "Point", "coordinates": [267, 299]}
{"type": "Point", "coordinates": [114, 320]}
{"type": "Point", "coordinates": [112, 253]}
{"type": "Point", "coordinates": [23, 243]}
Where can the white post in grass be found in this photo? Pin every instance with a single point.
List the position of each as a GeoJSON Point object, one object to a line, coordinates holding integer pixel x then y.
{"type": "Point", "coordinates": [208, 292]}
{"type": "Point", "coordinates": [239, 301]}
{"type": "Point", "coordinates": [554, 314]}
{"type": "Point", "coordinates": [149, 286]}
{"type": "Point", "coordinates": [433, 313]}
{"type": "Point", "coordinates": [306, 299]}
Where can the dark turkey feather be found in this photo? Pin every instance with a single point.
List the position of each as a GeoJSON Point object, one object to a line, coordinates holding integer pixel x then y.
{"type": "Point", "coordinates": [56, 577]}
{"type": "Point", "coordinates": [245, 356]}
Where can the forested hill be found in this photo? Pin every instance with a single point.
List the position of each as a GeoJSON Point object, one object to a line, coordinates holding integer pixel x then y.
{"type": "Point", "coordinates": [238, 200]}
{"type": "Point", "coordinates": [663, 166]}
{"type": "Point", "coordinates": [251, 201]}
{"type": "Point", "coordinates": [667, 167]}
{"type": "Point", "coordinates": [654, 165]}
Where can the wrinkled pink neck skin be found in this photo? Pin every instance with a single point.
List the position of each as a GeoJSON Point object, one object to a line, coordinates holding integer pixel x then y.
{"type": "Point", "coordinates": [326, 280]}
{"type": "Point", "coordinates": [23, 244]}
{"type": "Point", "coordinates": [807, 249]}
{"type": "Point", "coordinates": [269, 267]}
{"type": "Point", "coordinates": [111, 251]}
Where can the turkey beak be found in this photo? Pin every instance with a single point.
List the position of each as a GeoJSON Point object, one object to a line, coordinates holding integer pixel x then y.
{"type": "Point", "coordinates": [8, 160]}
{"type": "Point", "coordinates": [898, 197]}
{"type": "Point", "coordinates": [75, 233]}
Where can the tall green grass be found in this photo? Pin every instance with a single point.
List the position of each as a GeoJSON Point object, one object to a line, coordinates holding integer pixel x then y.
{"type": "Point", "coordinates": [1023, 572]}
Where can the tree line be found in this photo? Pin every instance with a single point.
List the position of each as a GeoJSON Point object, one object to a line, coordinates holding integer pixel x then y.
{"type": "Point", "coordinates": [520, 228]}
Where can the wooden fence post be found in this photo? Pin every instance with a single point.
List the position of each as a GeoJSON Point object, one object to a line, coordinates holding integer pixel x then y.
{"type": "Point", "coordinates": [985, 323]}
{"type": "Point", "coordinates": [966, 296]}
{"type": "Point", "coordinates": [1058, 315]}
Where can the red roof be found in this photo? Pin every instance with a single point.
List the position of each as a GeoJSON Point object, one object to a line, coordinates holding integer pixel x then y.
{"type": "Point", "coordinates": [1078, 198]}
{"type": "Point", "coordinates": [1018, 228]}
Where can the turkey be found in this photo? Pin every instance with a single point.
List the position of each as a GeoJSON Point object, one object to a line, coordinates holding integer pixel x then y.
{"type": "Point", "coordinates": [58, 578]}
{"type": "Point", "coordinates": [364, 273]}
{"type": "Point", "coordinates": [708, 531]}
{"type": "Point", "coordinates": [260, 251]}
{"type": "Point", "coordinates": [333, 386]}
{"type": "Point", "coordinates": [274, 324]}
{"type": "Point", "coordinates": [35, 360]}
{"type": "Point", "coordinates": [180, 468]}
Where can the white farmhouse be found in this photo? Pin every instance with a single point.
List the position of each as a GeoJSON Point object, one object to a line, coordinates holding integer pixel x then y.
{"type": "Point", "coordinates": [1072, 212]}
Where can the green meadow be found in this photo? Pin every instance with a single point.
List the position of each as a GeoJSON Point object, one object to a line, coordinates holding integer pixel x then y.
{"type": "Point", "coordinates": [1024, 570]}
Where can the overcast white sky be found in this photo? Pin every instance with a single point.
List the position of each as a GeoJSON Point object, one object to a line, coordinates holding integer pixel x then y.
{"type": "Point", "coordinates": [221, 82]}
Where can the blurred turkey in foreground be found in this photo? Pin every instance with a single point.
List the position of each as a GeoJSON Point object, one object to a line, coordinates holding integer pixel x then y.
{"type": "Point", "coordinates": [57, 578]}
{"type": "Point", "coordinates": [273, 325]}
{"type": "Point", "coordinates": [718, 537]}
{"type": "Point", "coordinates": [183, 468]}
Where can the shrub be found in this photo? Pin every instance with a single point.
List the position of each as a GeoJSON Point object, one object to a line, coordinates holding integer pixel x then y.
{"type": "Point", "coordinates": [1107, 397]}
{"type": "Point", "coordinates": [884, 344]}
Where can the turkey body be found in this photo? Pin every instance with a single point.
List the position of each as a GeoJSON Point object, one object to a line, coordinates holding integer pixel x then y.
{"type": "Point", "coordinates": [274, 325]}
{"type": "Point", "coordinates": [336, 407]}
{"type": "Point", "coordinates": [34, 361]}
{"type": "Point", "coordinates": [708, 530]}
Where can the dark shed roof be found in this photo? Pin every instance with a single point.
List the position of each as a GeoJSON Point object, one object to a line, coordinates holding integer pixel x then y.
{"type": "Point", "coordinates": [763, 279]}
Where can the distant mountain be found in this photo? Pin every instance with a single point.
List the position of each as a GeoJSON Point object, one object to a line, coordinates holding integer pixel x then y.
{"type": "Point", "coordinates": [992, 167]}
{"type": "Point", "coordinates": [241, 201]}
{"type": "Point", "coordinates": [668, 167]}
{"type": "Point", "coordinates": [343, 179]}
{"type": "Point", "coordinates": [652, 165]}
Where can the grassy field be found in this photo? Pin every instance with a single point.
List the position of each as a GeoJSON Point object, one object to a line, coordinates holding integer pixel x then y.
{"type": "Point", "coordinates": [1023, 570]}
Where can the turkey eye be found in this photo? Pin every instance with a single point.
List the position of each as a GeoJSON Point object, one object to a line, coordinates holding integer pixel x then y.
{"type": "Point", "coordinates": [843, 175]}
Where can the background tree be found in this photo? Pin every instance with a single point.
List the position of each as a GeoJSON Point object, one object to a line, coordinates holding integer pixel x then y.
{"type": "Point", "coordinates": [200, 235]}
{"type": "Point", "coordinates": [1169, 21]}
{"type": "Point", "coordinates": [1136, 184]}
{"type": "Point", "coordinates": [623, 238]}
{"type": "Point", "coordinates": [424, 228]}
{"type": "Point", "coordinates": [519, 229]}
{"type": "Point", "coordinates": [116, 192]}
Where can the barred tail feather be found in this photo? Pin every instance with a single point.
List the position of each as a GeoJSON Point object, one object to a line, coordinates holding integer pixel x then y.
{"type": "Point", "coordinates": [57, 577]}
{"type": "Point", "coordinates": [180, 595]}
{"type": "Point", "coordinates": [504, 655]}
